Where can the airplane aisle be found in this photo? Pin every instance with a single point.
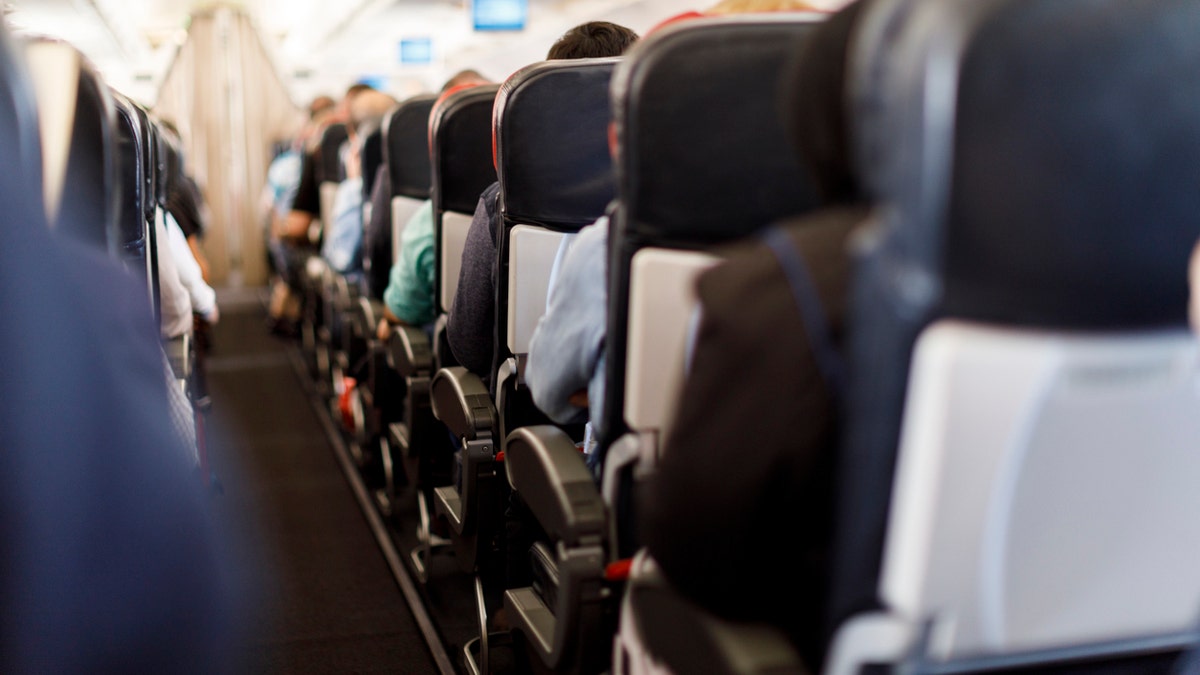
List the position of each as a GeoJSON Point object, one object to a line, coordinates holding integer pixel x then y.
{"type": "Point", "coordinates": [328, 601]}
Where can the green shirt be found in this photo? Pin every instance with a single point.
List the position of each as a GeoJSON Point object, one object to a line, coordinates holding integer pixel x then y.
{"type": "Point", "coordinates": [409, 294]}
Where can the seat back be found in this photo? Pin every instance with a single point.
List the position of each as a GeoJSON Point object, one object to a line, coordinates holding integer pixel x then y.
{"type": "Point", "coordinates": [132, 234]}
{"type": "Point", "coordinates": [551, 129]}
{"type": "Point", "coordinates": [371, 158]}
{"type": "Point", "coordinates": [1018, 350]}
{"type": "Point", "coordinates": [406, 147]}
{"type": "Point", "coordinates": [78, 127]}
{"type": "Point", "coordinates": [329, 168]}
{"type": "Point", "coordinates": [683, 187]}
{"type": "Point", "coordinates": [461, 159]}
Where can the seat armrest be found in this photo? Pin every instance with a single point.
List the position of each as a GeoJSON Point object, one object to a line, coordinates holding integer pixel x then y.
{"type": "Point", "coordinates": [368, 312]}
{"type": "Point", "coordinates": [412, 354]}
{"type": "Point", "coordinates": [548, 471]}
{"type": "Point", "coordinates": [179, 355]}
{"type": "Point", "coordinates": [687, 639]}
{"type": "Point", "coordinates": [462, 402]}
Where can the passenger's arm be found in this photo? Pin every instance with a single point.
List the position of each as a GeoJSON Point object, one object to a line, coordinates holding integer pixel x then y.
{"type": "Point", "coordinates": [306, 204]}
{"type": "Point", "coordinates": [342, 246]}
{"type": "Point", "coordinates": [204, 299]}
{"type": "Point", "coordinates": [295, 225]}
{"type": "Point", "coordinates": [409, 295]}
{"type": "Point", "coordinates": [174, 303]}
{"type": "Point", "coordinates": [193, 243]}
{"type": "Point", "coordinates": [471, 325]}
{"type": "Point", "coordinates": [567, 343]}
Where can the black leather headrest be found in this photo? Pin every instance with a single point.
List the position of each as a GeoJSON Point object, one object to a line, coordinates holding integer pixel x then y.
{"type": "Point", "coordinates": [868, 75]}
{"type": "Point", "coordinates": [1063, 192]}
{"type": "Point", "coordinates": [371, 156]}
{"type": "Point", "coordinates": [130, 236]}
{"type": "Point", "coordinates": [461, 152]}
{"type": "Point", "coordinates": [406, 137]}
{"type": "Point", "coordinates": [329, 170]}
{"type": "Point", "coordinates": [704, 154]}
{"type": "Point", "coordinates": [551, 129]}
{"type": "Point", "coordinates": [149, 163]}
{"type": "Point", "coordinates": [88, 209]}
{"type": "Point", "coordinates": [162, 164]}
{"type": "Point", "coordinates": [175, 163]}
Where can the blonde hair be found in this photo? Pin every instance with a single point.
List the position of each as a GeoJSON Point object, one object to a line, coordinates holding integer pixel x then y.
{"type": "Point", "coordinates": [751, 6]}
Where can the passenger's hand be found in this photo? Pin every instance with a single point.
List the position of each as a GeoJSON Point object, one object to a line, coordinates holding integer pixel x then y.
{"type": "Point", "coordinates": [384, 330]}
{"type": "Point", "coordinates": [579, 399]}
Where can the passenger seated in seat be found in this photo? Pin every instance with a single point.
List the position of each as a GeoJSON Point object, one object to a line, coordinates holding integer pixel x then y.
{"type": "Point", "coordinates": [291, 231]}
{"type": "Point", "coordinates": [342, 244]}
{"type": "Point", "coordinates": [379, 237]}
{"type": "Point", "coordinates": [739, 513]}
{"type": "Point", "coordinates": [565, 371]}
{"type": "Point", "coordinates": [283, 183]}
{"type": "Point", "coordinates": [408, 298]}
{"type": "Point", "coordinates": [472, 318]}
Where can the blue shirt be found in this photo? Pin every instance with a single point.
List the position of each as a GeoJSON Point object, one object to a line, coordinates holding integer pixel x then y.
{"type": "Point", "coordinates": [566, 353]}
{"type": "Point", "coordinates": [283, 180]}
{"type": "Point", "coordinates": [342, 245]}
{"type": "Point", "coordinates": [409, 293]}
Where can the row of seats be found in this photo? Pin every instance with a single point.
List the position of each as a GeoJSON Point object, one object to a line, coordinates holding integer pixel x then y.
{"type": "Point", "coordinates": [110, 171]}
{"type": "Point", "coordinates": [110, 558]}
{"type": "Point", "coordinates": [1016, 382]}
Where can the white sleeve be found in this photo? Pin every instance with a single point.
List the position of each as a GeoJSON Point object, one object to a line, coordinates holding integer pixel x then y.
{"type": "Point", "coordinates": [174, 302]}
{"type": "Point", "coordinates": [203, 297]}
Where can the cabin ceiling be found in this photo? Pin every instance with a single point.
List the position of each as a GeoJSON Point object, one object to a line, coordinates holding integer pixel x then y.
{"type": "Point", "coordinates": [321, 46]}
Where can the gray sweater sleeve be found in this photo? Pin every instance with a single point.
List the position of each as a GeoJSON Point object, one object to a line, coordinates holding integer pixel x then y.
{"type": "Point", "coordinates": [471, 327]}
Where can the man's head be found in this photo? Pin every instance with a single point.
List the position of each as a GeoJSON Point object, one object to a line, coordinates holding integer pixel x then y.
{"type": "Point", "coordinates": [464, 78]}
{"type": "Point", "coordinates": [368, 108]}
{"type": "Point", "coordinates": [593, 40]}
{"type": "Point", "coordinates": [320, 105]}
{"type": "Point", "coordinates": [343, 107]}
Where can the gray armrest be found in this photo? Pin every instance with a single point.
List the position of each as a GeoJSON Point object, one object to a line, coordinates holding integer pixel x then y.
{"type": "Point", "coordinates": [343, 292]}
{"type": "Point", "coordinates": [548, 471]}
{"type": "Point", "coordinates": [687, 639]}
{"type": "Point", "coordinates": [179, 355]}
{"type": "Point", "coordinates": [412, 354]}
{"type": "Point", "coordinates": [462, 403]}
{"type": "Point", "coordinates": [367, 312]}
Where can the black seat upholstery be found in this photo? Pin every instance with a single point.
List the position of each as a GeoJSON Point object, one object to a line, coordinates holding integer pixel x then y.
{"type": "Point", "coordinates": [329, 170]}
{"type": "Point", "coordinates": [405, 153]}
{"type": "Point", "coordinates": [702, 159]}
{"type": "Point", "coordinates": [371, 157]}
{"type": "Point", "coordinates": [461, 157]}
{"type": "Point", "coordinates": [406, 146]}
{"type": "Point", "coordinates": [461, 167]}
{"type": "Point", "coordinates": [553, 162]}
{"type": "Point", "coordinates": [132, 229]}
{"type": "Point", "coordinates": [87, 205]}
{"type": "Point", "coordinates": [1044, 186]}
{"type": "Point", "coordinates": [550, 127]}
{"type": "Point", "coordinates": [744, 174]}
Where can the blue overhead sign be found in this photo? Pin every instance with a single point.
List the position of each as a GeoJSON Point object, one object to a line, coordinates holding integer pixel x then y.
{"type": "Point", "coordinates": [416, 51]}
{"type": "Point", "coordinates": [500, 14]}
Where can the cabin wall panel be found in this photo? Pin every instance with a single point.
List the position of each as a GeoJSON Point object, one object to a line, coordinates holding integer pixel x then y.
{"type": "Point", "coordinates": [224, 94]}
